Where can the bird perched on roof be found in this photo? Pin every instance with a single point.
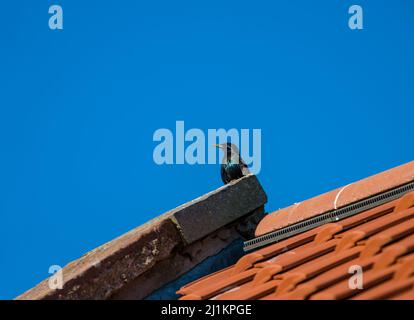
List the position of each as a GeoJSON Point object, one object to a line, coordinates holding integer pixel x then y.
{"type": "Point", "coordinates": [232, 166]}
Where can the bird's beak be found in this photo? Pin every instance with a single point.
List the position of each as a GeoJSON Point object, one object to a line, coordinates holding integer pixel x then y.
{"type": "Point", "coordinates": [217, 145]}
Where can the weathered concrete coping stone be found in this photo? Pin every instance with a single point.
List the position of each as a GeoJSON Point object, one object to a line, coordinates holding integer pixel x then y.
{"type": "Point", "coordinates": [106, 269]}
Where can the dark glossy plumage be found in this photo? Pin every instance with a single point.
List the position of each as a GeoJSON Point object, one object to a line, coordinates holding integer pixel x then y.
{"type": "Point", "coordinates": [232, 166]}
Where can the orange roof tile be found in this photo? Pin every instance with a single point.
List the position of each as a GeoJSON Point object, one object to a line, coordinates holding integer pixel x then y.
{"type": "Point", "coordinates": [315, 264]}
{"type": "Point", "coordinates": [337, 198]}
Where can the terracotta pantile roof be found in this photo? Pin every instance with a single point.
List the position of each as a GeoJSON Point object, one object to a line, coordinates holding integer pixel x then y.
{"type": "Point", "coordinates": [319, 263]}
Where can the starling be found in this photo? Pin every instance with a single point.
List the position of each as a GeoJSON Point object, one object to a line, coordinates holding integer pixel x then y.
{"type": "Point", "coordinates": [232, 166]}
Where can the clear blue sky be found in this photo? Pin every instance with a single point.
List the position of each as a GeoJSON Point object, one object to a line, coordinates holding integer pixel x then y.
{"type": "Point", "coordinates": [78, 108]}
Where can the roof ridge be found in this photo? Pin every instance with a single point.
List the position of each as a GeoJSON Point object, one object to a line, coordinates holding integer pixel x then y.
{"type": "Point", "coordinates": [337, 198]}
